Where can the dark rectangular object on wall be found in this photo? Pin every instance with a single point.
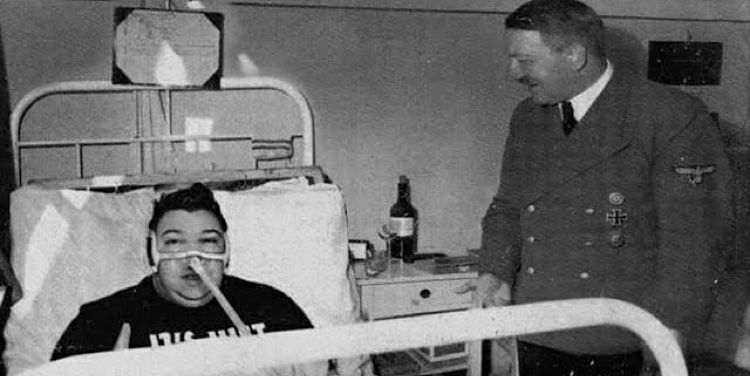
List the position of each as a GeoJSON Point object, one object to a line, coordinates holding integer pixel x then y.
{"type": "Point", "coordinates": [685, 63]}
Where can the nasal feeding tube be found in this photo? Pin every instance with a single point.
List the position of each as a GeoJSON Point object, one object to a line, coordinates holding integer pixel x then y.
{"type": "Point", "coordinates": [193, 254]}
{"type": "Point", "coordinates": [195, 264]}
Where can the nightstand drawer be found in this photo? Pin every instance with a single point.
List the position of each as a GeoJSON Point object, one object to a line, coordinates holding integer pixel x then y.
{"type": "Point", "coordinates": [398, 299]}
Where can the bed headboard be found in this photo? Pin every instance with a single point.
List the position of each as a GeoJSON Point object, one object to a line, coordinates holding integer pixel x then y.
{"type": "Point", "coordinates": [129, 130]}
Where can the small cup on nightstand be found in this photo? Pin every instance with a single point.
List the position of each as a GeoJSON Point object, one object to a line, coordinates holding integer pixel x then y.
{"type": "Point", "coordinates": [377, 261]}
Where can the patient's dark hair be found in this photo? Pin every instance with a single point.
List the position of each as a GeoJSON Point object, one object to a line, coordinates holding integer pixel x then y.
{"type": "Point", "coordinates": [197, 197]}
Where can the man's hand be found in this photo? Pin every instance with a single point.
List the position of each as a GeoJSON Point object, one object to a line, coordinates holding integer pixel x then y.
{"type": "Point", "coordinates": [123, 340]}
{"type": "Point", "coordinates": [490, 290]}
{"type": "Point", "coordinates": [15, 291]}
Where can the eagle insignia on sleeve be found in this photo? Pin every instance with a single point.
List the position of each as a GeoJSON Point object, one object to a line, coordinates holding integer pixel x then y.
{"type": "Point", "coordinates": [695, 173]}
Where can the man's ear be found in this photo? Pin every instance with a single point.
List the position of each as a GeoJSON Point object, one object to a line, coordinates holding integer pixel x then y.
{"type": "Point", "coordinates": [577, 56]}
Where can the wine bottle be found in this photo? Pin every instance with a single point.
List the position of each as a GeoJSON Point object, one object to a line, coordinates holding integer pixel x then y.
{"type": "Point", "coordinates": [403, 224]}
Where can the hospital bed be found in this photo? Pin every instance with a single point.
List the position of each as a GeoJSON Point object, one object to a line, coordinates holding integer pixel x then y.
{"type": "Point", "coordinates": [287, 226]}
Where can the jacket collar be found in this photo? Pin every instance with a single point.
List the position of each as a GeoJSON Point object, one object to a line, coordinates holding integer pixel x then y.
{"type": "Point", "coordinates": [602, 133]}
{"type": "Point", "coordinates": [584, 100]}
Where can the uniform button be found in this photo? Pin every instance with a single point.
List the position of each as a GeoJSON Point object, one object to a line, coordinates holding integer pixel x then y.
{"type": "Point", "coordinates": [589, 211]}
{"type": "Point", "coordinates": [584, 275]}
{"type": "Point", "coordinates": [616, 239]}
{"type": "Point", "coordinates": [531, 239]}
{"type": "Point", "coordinates": [531, 208]}
{"type": "Point", "coordinates": [588, 240]}
{"type": "Point", "coordinates": [530, 270]}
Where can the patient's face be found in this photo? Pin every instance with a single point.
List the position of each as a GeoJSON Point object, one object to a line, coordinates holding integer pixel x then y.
{"type": "Point", "coordinates": [183, 231]}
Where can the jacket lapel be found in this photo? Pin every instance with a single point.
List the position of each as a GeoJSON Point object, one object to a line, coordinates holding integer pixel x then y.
{"type": "Point", "coordinates": [601, 134]}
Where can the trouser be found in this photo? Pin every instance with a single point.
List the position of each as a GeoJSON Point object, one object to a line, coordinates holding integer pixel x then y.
{"type": "Point", "coordinates": [535, 360]}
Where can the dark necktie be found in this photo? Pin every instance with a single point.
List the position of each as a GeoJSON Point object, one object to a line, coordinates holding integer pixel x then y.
{"type": "Point", "coordinates": [568, 121]}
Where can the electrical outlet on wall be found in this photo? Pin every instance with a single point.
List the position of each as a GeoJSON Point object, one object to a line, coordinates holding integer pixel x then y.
{"type": "Point", "coordinates": [202, 126]}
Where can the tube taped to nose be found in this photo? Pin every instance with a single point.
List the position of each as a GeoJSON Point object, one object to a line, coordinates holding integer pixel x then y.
{"type": "Point", "coordinates": [197, 265]}
{"type": "Point", "coordinates": [193, 253]}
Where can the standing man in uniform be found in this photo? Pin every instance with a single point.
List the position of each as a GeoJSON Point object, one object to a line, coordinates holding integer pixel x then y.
{"type": "Point", "coordinates": [611, 186]}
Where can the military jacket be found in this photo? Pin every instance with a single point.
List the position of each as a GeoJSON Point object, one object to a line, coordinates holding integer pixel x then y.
{"type": "Point", "coordinates": [633, 205]}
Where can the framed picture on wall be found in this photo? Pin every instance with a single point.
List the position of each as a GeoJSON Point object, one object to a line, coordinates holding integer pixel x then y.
{"type": "Point", "coordinates": [167, 47]}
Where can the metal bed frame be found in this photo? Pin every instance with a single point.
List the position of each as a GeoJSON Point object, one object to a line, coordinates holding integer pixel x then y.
{"type": "Point", "coordinates": [94, 87]}
{"type": "Point", "coordinates": [248, 354]}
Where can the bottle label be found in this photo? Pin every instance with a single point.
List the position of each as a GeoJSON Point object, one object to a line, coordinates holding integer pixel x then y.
{"type": "Point", "coordinates": [402, 226]}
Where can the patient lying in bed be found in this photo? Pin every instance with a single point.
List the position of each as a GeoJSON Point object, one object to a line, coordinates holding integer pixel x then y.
{"type": "Point", "coordinates": [187, 297]}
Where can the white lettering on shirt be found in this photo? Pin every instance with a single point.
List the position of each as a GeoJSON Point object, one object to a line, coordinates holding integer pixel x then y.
{"type": "Point", "coordinates": [259, 328]}
{"type": "Point", "coordinates": [167, 338]}
{"type": "Point", "coordinates": [164, 336]}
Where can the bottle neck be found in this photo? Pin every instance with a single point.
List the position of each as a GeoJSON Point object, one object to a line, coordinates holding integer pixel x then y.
{"type": "Point", "coordinates": [403, 193]}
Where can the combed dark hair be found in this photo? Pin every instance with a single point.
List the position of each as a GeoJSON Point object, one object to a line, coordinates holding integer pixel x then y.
{"type": "Point", "coordinates": [561, 22]}
{"type": "Point", "coordinates": [197, 197]}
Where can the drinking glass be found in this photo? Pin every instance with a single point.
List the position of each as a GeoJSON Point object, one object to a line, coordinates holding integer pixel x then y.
{"type": "Point", "coordinates": [377, 261]}
{"type": "Point", "coordinates": [386, 233]}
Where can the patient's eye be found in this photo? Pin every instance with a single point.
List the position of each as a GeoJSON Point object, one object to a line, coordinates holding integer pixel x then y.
{"type": "Point", "coordinates": [173, 244]}
{"type": "Point", "coordinates": [210, 243]}
{"type": "Point", "coordinates": [172, 241]}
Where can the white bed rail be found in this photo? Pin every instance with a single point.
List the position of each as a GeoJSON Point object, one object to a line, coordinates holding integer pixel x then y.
{"type": "Point", "coordinates": [243, 355]}
{"type": "Point", "coordinates": [84, 87]}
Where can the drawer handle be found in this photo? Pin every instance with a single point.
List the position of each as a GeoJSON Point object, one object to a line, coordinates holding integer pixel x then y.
{"type": "Point", "coordinates": [425, 293]}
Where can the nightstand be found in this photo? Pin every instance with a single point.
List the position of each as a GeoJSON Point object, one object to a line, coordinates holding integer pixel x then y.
{"type": "Point", "coordinates": [415, 289]}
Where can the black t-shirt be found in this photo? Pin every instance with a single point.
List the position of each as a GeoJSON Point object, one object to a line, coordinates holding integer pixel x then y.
{"type": "Point", "coordinates": [157, 322]}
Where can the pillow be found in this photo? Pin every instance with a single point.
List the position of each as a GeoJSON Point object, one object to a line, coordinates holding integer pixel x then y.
{"type": "Point", "coordinates": [293, 237]}
{"type": "Point", "coordinates": [289, 235]}
{"type": "Point", "coordinates": [69, 247]}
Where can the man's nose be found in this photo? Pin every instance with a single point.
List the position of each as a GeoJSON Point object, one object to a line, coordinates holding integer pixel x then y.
{"type": "Point", "coordinates": [514, 70]}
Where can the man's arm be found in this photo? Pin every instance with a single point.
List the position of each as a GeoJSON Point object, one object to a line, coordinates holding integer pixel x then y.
{"type": "Point", "coordinates": [501, 224]}
{"type": "Point", "coordinates": [500, 251]}
{"type": "Point", "coordinates": [499, 255]}
{"type": "Point", "coordinates": [690, 183]}
{"type": "Point", "coordinates": [499, 259]}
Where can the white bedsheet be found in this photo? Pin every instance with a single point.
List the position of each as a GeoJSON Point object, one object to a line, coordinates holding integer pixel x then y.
{"type": "Point", "coordinates": [71, 247]}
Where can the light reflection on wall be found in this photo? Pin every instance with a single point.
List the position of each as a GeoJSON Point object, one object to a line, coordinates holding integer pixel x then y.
{"type": "Point", "coordinates": [170, 69]}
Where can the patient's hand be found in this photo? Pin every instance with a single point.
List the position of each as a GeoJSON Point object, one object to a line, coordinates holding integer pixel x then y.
{"type": "Point", "coordinates": [491, 291]}
{"type": "Point", "coordinates": [15, 292]}
{"type": "Point", "coordinates": [123, 340]}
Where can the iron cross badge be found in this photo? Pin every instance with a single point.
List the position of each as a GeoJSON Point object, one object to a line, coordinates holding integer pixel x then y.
{"type": "Point", "coordinates": [616, 217]}
{"type": "Point", "coordinates": [695, 173]}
